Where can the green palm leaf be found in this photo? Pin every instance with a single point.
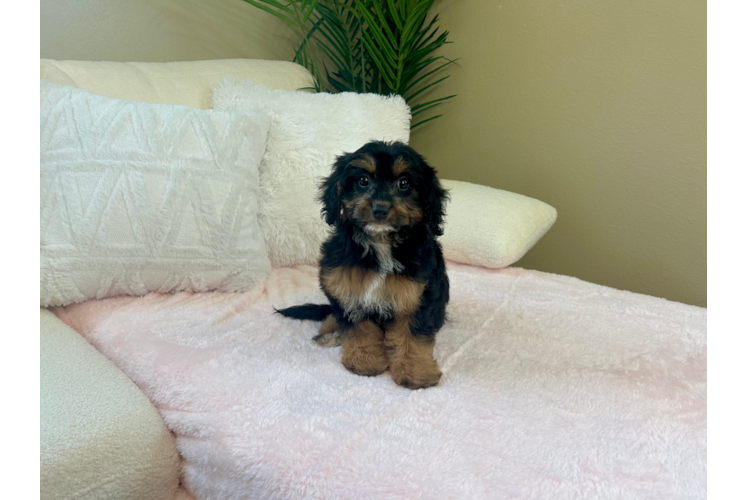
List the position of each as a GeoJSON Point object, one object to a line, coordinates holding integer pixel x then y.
{"type": "Point", "coordinates": [381, 46]}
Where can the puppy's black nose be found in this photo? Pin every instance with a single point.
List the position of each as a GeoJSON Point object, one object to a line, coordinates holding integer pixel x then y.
{"type": "Point", "coordinates": [380, 211]}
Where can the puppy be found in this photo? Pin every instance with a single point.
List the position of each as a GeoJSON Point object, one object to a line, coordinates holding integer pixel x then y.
{"type": "Point", "coordinates": [382, 267]}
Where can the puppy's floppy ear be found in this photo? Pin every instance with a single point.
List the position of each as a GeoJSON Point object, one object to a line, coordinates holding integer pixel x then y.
{"type": "Point", "coordinates": [436, 199]}
{"type": "Point", "coordinates": [331, 190]}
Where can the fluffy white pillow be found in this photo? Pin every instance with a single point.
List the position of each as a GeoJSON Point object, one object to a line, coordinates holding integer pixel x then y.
{"type": "Point", "coordinates": [307, 132]}
{"type": "Point", "coordinates": [490, 227]}
{"type": "Point", "coordinates": [140, 197]}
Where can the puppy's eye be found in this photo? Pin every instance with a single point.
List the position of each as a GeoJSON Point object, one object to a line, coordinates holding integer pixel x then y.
{"type": "Point", "coordinates": [403, 184]}
{"type": "Point", "coordinates": [363, 181]}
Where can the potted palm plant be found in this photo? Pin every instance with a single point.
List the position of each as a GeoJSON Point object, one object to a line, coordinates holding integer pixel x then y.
{"type": "Point", "coordinates": [380, 46]}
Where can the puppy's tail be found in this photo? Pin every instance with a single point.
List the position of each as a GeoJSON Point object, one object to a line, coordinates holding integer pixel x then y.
{"type": "Point", "coordinates": [313, 312]}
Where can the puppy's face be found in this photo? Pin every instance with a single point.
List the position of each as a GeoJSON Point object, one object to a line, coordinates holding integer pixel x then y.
{"type": "Point", "coordinates": [383, 187]}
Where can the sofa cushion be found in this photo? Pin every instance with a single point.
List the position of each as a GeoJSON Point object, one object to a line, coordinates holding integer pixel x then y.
{"type": "Point", "coordinates": [140, 197]}
{"type": "Point", "coordinates": [490, 227]}
{"type": "Point", "coordinates": [187, 82]}
{"type": "Point", "coordinates": [100, 436]}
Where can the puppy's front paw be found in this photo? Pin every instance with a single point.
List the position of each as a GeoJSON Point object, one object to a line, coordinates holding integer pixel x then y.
{"type": "Point", "coordinates": [367, 362]}
{"type": "Point", "coordinates": [363, 350]}
{"type": "Point", "coordinates": [371, 369]}
{"type": "Point", "coordinates": [412, 362]}
{"type": "Point", "coordinates": [416, 375]}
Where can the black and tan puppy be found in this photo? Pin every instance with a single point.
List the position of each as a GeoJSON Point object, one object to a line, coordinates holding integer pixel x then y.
{"type": "Point", "coordinates": [382, 268]}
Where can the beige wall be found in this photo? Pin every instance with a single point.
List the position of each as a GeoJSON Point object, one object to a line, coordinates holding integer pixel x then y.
{"type": "Point", "coordinates": [596, 107]}
{"type": "Point", "coordinates": [160, 30]}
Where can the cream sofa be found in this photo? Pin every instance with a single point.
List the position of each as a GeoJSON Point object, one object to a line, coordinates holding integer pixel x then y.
{"type": "Point", "coordinates": [100, 435]}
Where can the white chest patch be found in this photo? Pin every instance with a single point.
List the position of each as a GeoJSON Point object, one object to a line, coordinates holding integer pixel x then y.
{"type": "Point", "coordinates": [373, 300]}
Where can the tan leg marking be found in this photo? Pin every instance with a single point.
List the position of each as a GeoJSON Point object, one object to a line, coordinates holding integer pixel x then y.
{"type": "Point", "coordinates": [363, 349]}
{"type": "Point", "coordinates": [329, 333]}
{"type": "Point", "coordinates": [411, 359]}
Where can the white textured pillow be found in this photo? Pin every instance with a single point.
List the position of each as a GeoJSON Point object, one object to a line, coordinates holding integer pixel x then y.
{"type": "Point", "coordinates": [140, 197]}
{"type": "Point", "coordinates": [307, 132]}
{"type": "Point", "coordinates": [490, 227]}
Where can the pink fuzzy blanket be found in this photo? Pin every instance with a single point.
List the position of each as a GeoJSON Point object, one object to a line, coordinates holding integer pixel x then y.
{"type": "Point", "coordinates": [553, 388]}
